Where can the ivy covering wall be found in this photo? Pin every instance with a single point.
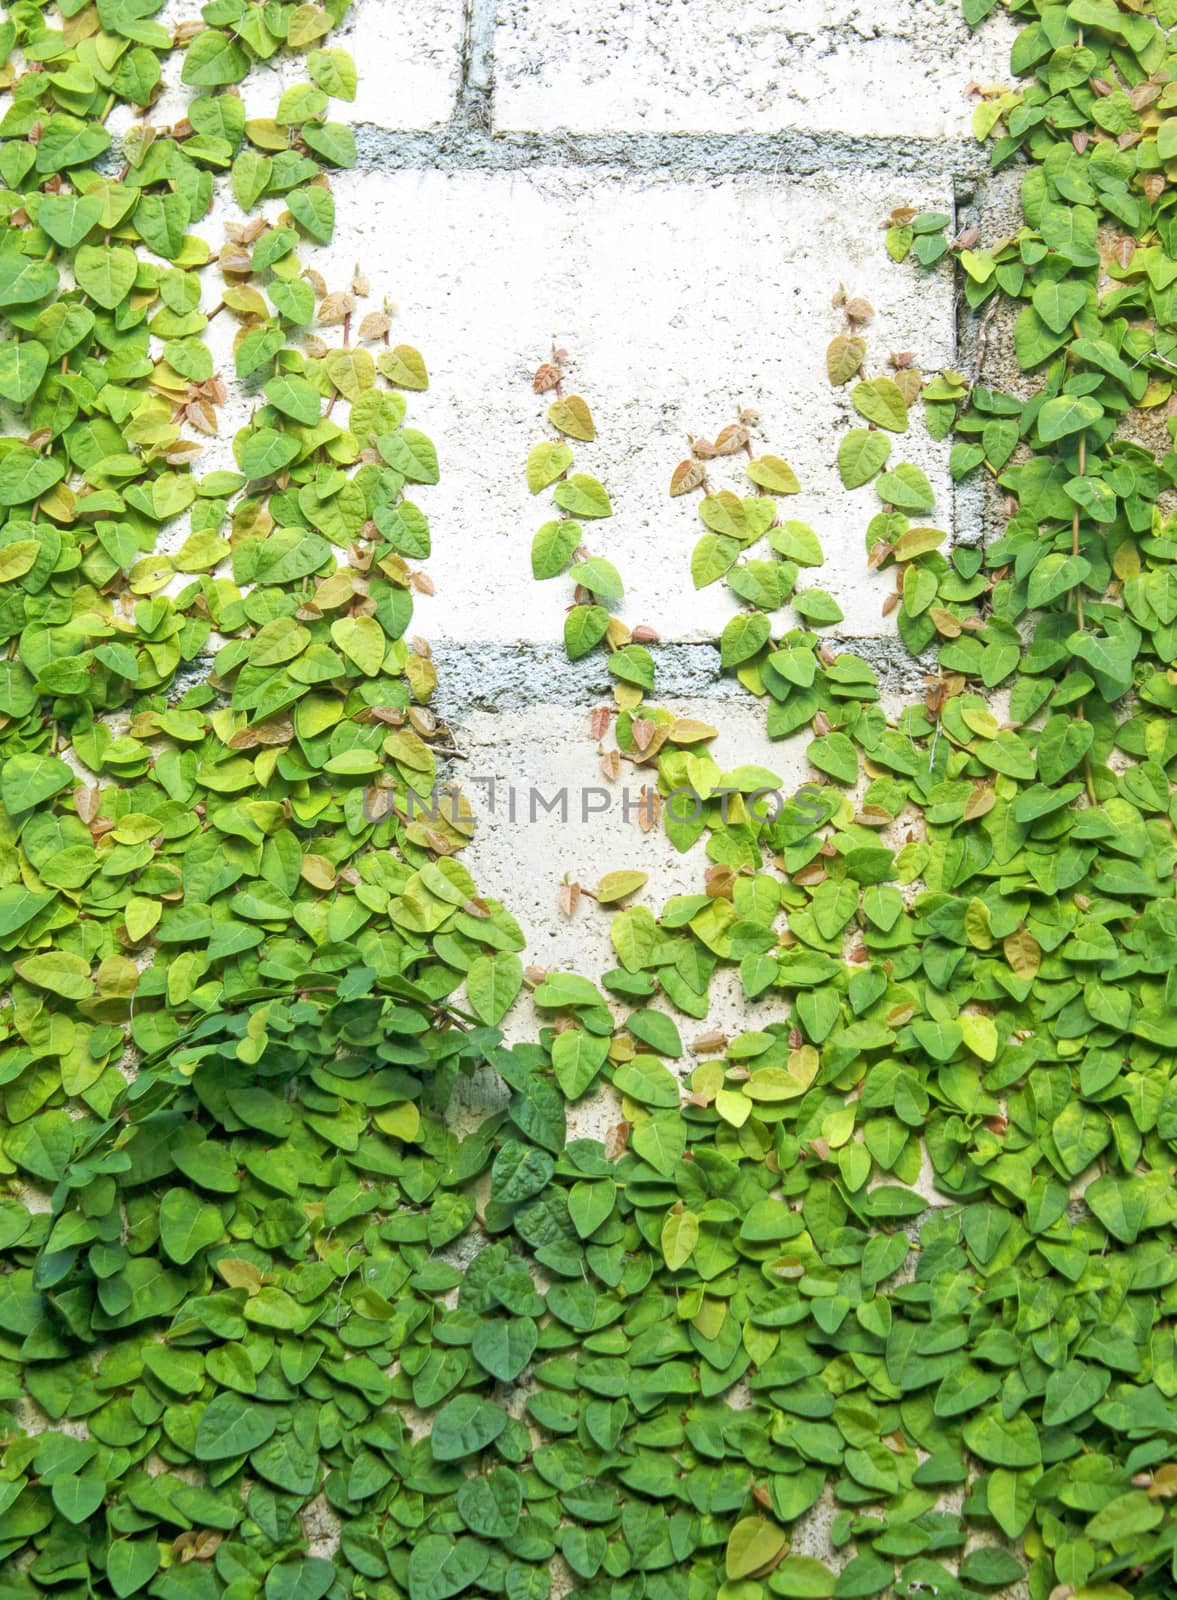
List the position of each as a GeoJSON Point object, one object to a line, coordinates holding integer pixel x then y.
{"type": "Point", "coordinates": [252, 1285]}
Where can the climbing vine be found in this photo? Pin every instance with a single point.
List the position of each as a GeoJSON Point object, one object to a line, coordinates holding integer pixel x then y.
{"type": "Point", "coordinates": [270, 1323]}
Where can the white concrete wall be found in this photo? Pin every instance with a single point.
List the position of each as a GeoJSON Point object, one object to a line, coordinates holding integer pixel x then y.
{"type": "Point", "coordinates": [673, 192]}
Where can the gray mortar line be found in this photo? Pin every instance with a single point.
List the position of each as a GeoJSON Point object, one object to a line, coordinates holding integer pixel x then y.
{"type": "Point", "coordinates": [465, 145]}
{"type": "Point", "coordinates": [473, 114]}
{"type": "Point", "coordinates": [513, 677]}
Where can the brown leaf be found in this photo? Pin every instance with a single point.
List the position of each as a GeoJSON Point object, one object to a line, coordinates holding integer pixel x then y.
{"type": "Point", "coordinates": [374, 326]}
{"type": "Point", "coordinates": [569, 898]}
{"type": "Point", "coordinates": [982, 799]}
{"type": "Point", "coordinates": [686, 476]}
{"type": "Point", "coordinates": [720, 882]}
{"type": "Point", "coordinates": [616, 1140]}
{"type": "Point", "coordinates": [610, 765]}
{"type": "Point", "coordinates": [909, 382]}
{"type": "Point", "coordinates": [873, 817]}
{"type": "Point", "coordinates": [546, 377]}
{"type": "Point", "coordinates": [86, 803]}
{"type": "Point", "coordinates": [731, 440]}
{"type": "Point", "coordinates": [335, 307]}
{"type": "Point", "coordinates": [644, 634]}
{"type": "Point", "coordinates": [649, 808]}
{"type": "Point", "coordinates": [859, 310]}
{"type": "Point", "coordinates": [643, 732]}
{"type": "Point", "coordinates": [599, 720]}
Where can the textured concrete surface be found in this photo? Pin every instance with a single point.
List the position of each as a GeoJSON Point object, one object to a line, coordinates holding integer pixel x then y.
{"type": "Point", "coordinates": [672, 192]}
{"type": "Point", "coordinates": [409, 60]}
{"type": "Point", "coordinates": [890, 67]}
{"type": "Point", "coordinates": [679, 302]}
{"type": "Point", "coordinates": [550, 750]}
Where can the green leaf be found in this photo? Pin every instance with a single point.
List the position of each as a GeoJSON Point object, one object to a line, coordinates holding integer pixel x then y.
{"type": "Point", "coordinates": [582, 496]}
{"type": "Point", "coordinates": [411, 453]}
{"type": "Point", "coordinates": [519, 1171]}
{"type": "Point", "coordinates": [680, 1234]}
{"type": "Point", "coordinates": [266, 451]}
{"type": "Point", "coordinates": [599, 576]}
{"type": "Point", "coordinates": [440, 1565]}
{"type": "Point", "coordinates": [906, 488]}
{"type": "Point", "coordinates": [503, 1346]}
{"type": "Point", "coordinates": [743, 637]}
{"type": "Point", "coordinates": [554, 547]}
{"type": "Point", "coordinates": [68, 218]}
{"type": "Point", "coordinates": [334, 71]}
{"type": "Point", "coordinates": [584, 627]}
{"type": "Point", "coordinates": [1059, 302]}
{"type": "Point", "coordinates": [213, 59]}
{"type": "Point", "coordinates": [492, 984]}
{"type": "Point", "coordinates": [805, 1578]}
{"type": "Point", "coordinates": [577, 1058]}
{"type": "Point", "coordinates": [130, 1565]}
{"type": "Point", "coordinates": [23, 363]}
{"type": "Point", "coordinates": [23, 281]}
{"type": "Point", "coordinates": [546, 462]}
{"type": "Point", "coordinates": [294, 397]}
{"type": "Point", "coordinates": [773, 474]}
{"type": "Point", "coordinates": [26, 476]}
{"type": "Point", "coordinates": [313, 209]}
{"type": "Point", "coordinates": [230, 1426]}
{"type": "Point", "coordinates": [648, 1081]}
{"type": "Point", "coordinates": [106, 273]}
{"type": "Point", "coordinates": [753, 1546]}
{"type": "Point", "coordinates": [490, 1505]}
{"type": "Point", "coordinates": [860, 455]}
{"type": "Point", "coordinates": [187, 1225]}
{"type": "Point", "coordinates": [465, 1426]}
{"type": "Point", "coordinates": [1066, 414]}
{"type": "Point", "coordinates": [881, 401]}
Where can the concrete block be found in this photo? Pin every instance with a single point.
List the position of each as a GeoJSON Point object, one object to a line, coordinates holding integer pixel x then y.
{"type": "Point", "coordinates": [854, 67]}
{"type": "Point", "coordinates": [409, 64]}
{"type": "Point", "coordinates": [680, 302]}
{"type": "Point", "coordinates": [524, 854]}
{"type": "Point", "coordinates": [524, 848]}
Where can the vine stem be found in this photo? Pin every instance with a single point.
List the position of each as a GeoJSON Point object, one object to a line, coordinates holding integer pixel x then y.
{"type": "Point", "coordinates": [1075, 528]}
{"type": "Point", "coordinates": [1088, 775]}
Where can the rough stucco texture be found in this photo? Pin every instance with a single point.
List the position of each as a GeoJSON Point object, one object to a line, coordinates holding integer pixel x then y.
{"type": "Point", "coordinates": [896, 67]}
{"type": "Point", "coordinates": [679, 302]}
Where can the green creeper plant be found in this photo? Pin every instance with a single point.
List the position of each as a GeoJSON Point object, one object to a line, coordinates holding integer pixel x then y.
{"type": "Point", "coordinates": [558, 546]}
{"type": "Point", "coordinates": [273, 1319]}
{"type": "Point", "coordinates": [991, 999]}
